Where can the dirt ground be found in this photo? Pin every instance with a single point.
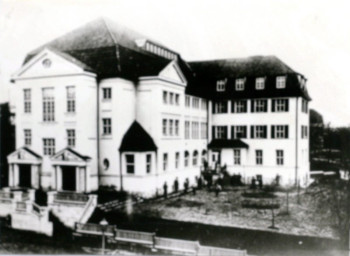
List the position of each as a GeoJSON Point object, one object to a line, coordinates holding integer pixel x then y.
{"type": "Point", "coordinates": [226, 210]}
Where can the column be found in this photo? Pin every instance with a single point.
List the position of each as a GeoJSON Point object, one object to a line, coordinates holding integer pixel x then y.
{"type": "Point", "coordinates": [11, 175]}
{"type": "Point", "coordinates": [87, 179]}
{"type": "Point", "coordinates": [77, 179]}
{"type": "Point", "coordinates": [16, 175]}
{"type": "Point", "coordinates": [35, 176]}
{"type": "Point", "coordinates": [58, 178]}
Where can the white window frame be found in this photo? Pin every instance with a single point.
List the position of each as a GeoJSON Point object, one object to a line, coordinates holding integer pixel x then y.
{"type": "Point", "coordinates": [165, 97]}
{"type": "Point", "coordinates": [48, 146]}
{"type": "Point", "coordinates": [107, 93]}
{"type": "Point", "coordinates": [259, 106]}
{"type": "Point", "coordinates": [259, 132]}
{"type": "Point", "coordinates": [148, 163]}
{"type": "Point", "coordinates": [240, 106]}
{"type": "Point", "coordinates": [177, 123]}
{"type": "Point", "coordinates": [177, 160]}
{"type": "Point", "coordinates": [220, 107]}
{"type": "Point", "coordinates": [280, 131]}
{"type": "Point", "coordinates": [260, 83]}
{"type": "Point", "coordinates": [165, 127]}
{"type": "Point", "coordinates": [187, 130]}
{"type": "Point", "coordinates": [237, 157]}
{"type": "Point", "coordinates": [70, 99]}
{"type": "Point", "coordinates": [221, 85]}
{"type": "Point", "coordinates": [281, 82]}
{"type": "Point", "coordinates": [27, 137]}
{"type": "Point", "coordinates": [27, 95]}
{"type": "Point", "coordinates": [130, 164]}
{"type": "Point", "coordinates": [165, 161]}
{"type": "Point", "coordinates": [177, 99]}
{"type": "Point", "coordinates": [188, 101]}
{"type": "Point", "coordinates": [171, 98]}
{"type": "Point", "coordinates": [239, 129]}
{"type": "Point", "coordinates": [107, 126]}
{"type": "Point", "coordinates": [280, 105]}
{"type": "Point", "coordinates": [279, 157]}
{"type": "Point", "coordinates": [259, 157]}
{"type": "Point", "coordinates": [48, 105]}
{"type": "Point", "coordinates": [239, 84]}
{"type": "Point", "coordinates": [220, 132]}
{"type": "Point", "coordinates": [71, 137]}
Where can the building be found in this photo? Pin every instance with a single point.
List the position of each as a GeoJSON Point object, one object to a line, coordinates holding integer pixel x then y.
{"type": "Point", "coordinates": [106, 106]}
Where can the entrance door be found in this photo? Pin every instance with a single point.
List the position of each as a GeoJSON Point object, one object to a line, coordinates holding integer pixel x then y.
{"type": "Point", "coordinates": [68, 178]}
{"type": "Point", "coordinates": [215, 157]}
{"type": "Point", "coordinates": [25, 175]}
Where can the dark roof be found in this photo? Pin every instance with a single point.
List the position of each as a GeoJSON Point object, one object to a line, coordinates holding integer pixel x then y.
{"type": "Point", "coordinates": [225, 143]}
{"type": "Point", "coordinates": [209, 72]}
{"type": "Point", "coordinates": [32, 152]}
{"type": "Point", "coordinates": [108, 49]}
{"type": "Point", "coordinates": [136, 139]}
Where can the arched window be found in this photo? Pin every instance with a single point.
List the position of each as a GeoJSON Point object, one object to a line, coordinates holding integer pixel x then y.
{"type": "Point", "coordinates": [186, 158]}
{"type": "Point", "coordinates": [105, 164]}
{"type": "Point", "coordinates": [195, 158]}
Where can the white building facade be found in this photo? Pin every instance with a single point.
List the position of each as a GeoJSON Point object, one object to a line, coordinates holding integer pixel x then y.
{"type": "Point", "coordinates": [121, 110]}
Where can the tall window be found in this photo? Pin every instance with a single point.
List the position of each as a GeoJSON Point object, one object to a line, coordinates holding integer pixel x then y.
{"type": "Point", "coordinates": [304, 132]}
{"type": "Point", "coordinates": [177, 160]}
{"type": "Point", "coordinates": [107, 93]}
{"type": "Point", "coordinates": [280, 105]}
{"type": "Point", "coordinates": [203, 104]}
{"type": "Point", "coordinates": [27, 100]}
{"type": "Point", "coordinates": [279, 157]}
{"type": "Point", "coordinates": [195, 130]}
{"type": "Point", "coordinates": [195, 158]}
{"type": "Point", "coordinates": [259, 106]}
{"type": "Point", "coordinates": [107, 126]}
{"type": "Point", "coordinates": [279, 131]}
{"type": "Point", "coordinates": [48, 105]}
{"type": "Point", "coordinates": [186, 158]}
{"type": "Point", "coordinates": [220, 107]}
{"type": "Point", "coordinates": [171, 127]}
{"type": "Point", "coordinates": [130, 164]}
{"type": "Point", "coordinates": [259, 157]}
{"type": "Point", "coordinates": [71, 99]}
{"type": "Point", "coordinates": [27, 137]}
{"type": "Point", "coordinates": [260, 83]}
{"type": "Point", "coordinates": [219, 132]}
{"type": "Point", "coordinates": [148, 163]}
{"type": "Point", "coordinates": [239, 132]}
{"type": "Point", "coordinates": [195, 102]}
{"type": "Point", "coordinates": [258, 131]}
{"type": "Point", "coordinates": [240, 84]}
{"type": "Point", "coordinates": [165, 97]}
{"type": "Point", "coordinates": [237, 156]}
{"type": "Point", "coordinates": [177, 99]}
{"type": "Point", "coordinates": [304, 107]}
{"type": "Point", "coordinates": [187, 130]}
{"type": "Point", "coordinates": [239, 106]}
{"type": "Point", "coordinates": [171, 98]}
{"type": "Point", "coordinates": [49, 146]}
{"type": "Point", "coordinates": [280, 82]}
{"type": "Point", "coordinates": [188, 101]}
{"type": "Point", "coordinates": [71, 137]}
{"type": "Point", "coordinates": [165, 126]}
{"type": "Point", "coordinates": [204, 130]}
{"type": "Point", "coordinates": [177, 127]}
{"type": "Point", "coordinates": [165, 161]}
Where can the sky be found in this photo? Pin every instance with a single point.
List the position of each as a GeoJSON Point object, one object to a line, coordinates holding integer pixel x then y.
{"type": "Point", "coordinates": [312, 37]}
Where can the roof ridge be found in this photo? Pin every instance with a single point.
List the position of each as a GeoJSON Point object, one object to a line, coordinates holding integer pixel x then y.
{"type": "Point", "coordinates": [109, 30]}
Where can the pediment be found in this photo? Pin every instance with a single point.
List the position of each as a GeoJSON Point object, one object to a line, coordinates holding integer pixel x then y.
{"type": "Point", "coordinates": [173, 72]}
{"type": "Point", "coordinates": [69, 155]}
{"type": "Point", "coordinates": [24, 154]}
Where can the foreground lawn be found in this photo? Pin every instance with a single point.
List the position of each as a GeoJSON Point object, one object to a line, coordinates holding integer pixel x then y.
{"type": "Point", "coordinates": [226, 210]}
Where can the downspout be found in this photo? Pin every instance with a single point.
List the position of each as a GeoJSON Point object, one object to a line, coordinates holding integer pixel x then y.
{"type": "Point", "coordinates": [98, 133]}
{"type": "Point", "coordinates": [296, 142]}
{"type": "Point", "coordinates": [120, 171]}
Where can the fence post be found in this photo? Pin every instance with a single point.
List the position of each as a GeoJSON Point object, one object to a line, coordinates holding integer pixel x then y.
{"type": "Point", "coordinates": [50, 197]}
{"type": "Point", "coordinates": [153, 242]}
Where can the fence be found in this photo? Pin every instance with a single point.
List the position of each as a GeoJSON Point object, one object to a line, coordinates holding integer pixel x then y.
{"type": "Point", "coordinates": [90, 228]}
{"type": "Point", "coordinates": [216, 251]}
{"type": "Point", "coordinates": [66, 196]}
{"type": "Point", "coordinates": [134, 236]}
{"type": "Point", "coordinates": [176, 244]}
{"type": "Point", "coordinates": [21, 206]}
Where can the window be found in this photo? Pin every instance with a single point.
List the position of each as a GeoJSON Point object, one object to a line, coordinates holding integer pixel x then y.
{"type": "Point", "coordinates": [204, 156]}
{"type": "Point", "coordinates": [186, 158]}
{"type": "Point", "coordinates": [304, 107]}
{"type": "Point", "coordinates": [304, 132]}
{"type": "Point", "coordinates": [240, 84]}
{"type": "Point", "coordinates": [237, 156]}
{"type": "Point", "coordinates": [187, 130]}
{"type": "Point", "coordinates": [177, 127]}
{"type": "Point", "coordinates": [239, 106]}
{"type": "Point", "coordinates": [105, 164]}
{"type": "Point", "coordinates": [171, 128]}
{"type": "Point", "coordinates": [220, 107]}
{"type": "Point", "coordinates": [177, 99]}
{"type": "Point", "coordinates": [279, 157]}
{"type": "Point", "coordinates": [219, 132]}
{"type": "Point", "coordinates": [258, 132]}
{"type": "Point", "coordinates": [165, 97]}
{"type": "Point", "coordinates": [280, 82]}
{"type": "Point", "coordinates": [171, 98]}
{"type": "Point", "coordinates": [107, 93]}
{"type": "Point", "coordinates": [27, 100]}
{"type": "Point", "coordinates": [130, 164]}
{"type": "Point", "coordinates": [239, 132]}
{"type": "Point", "coordinates": [280, 105]}
{"type": "Point", "coordinates": [148, 163]}
{"type": "Point", "coordinates": [259, 157]}
{"type": "Point", "coordinates": [260, 83]}
{"type": "Point", "coordinates": [71, 99]}
{"type": "Point", "coordinates": [195, 130]}
{"type": "Point", "coordinates": [188, 101]}
{"type": "Point", "coordinates": [48, 105]}
{"type": "Point", "coordinates": [107, 126]}
{"type": "Point", "coordinates": [221, 85]}
{"type": "Point", "coordinates": [204, 130]}
{"type": "Point", "coordinates": [279, 131]}
{"type": "Point", "coordinates": [195, 158]}
{"type": "Point", "coordinates": [195, 102]}
{"type": "Point", "coordinates": [71, 138]}
{"type": "Point", "coordinates": [177, 160]}
{"type": "Point", "coordinates": [165, 126]}
{"type": "Point", "coordinates": [259, 106]}
{"type": "Point", "coordinates": [27, 137]}
{"type": "Point", "coordinates": [203, 104]}
{"type": "Point", "coordinates": [165, 161]}
{"type": "Point", "coordinates": [49, 146]}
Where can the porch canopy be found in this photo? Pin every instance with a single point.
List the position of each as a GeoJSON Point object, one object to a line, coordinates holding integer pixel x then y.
{"type": "Point", "coordinates": [226, 143]}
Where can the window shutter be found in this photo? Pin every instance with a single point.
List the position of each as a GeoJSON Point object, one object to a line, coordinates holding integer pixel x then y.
{"type": "Point", "coordinates": [287, 105]}
{"type": "Point", "coordinates": [233, 106]}
{"type": "Point", "coordinates": [232, 132]}
{"type": "Point", "coordinates": [273, 106]}
{"type": "Point", "coordinates": [286, 131]}
{"type": "Point", "coordinates": [213, 132]}
{"type": "Point", "coordinates": [245, 132]}
{"type": "Point", "coordinates": [252, 106]}
{"type": "Point", "coordinates": [265, 107]}
{"type": "Point", "coordinates": [245, 106]}
{"type": "Point", "coordinates": [265, 131]}
{"type": "Point", "coordinates": [252, 132]}
{"type": "Point", "coordinates": [213, 107]}
{"type": "Point", "coordinates": [225, 104]}
{"type": "Point", "coordinates": [225, 132]}
{"type": "Point", "coordinates": [272, 131]}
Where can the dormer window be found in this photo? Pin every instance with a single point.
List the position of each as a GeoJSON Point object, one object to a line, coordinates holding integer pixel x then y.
{"type": "Point", "coordinates": [221, 85]}
{"type": "Point", "coordinates": [260, 83]}
{"type": "Point", "coordinates": [280, 82]}
{"type": "Point", "coordinates": [240, 84]}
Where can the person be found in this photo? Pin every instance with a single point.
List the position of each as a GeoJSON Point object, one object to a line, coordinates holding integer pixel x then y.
{"type": "Point", "coordinates": [199, 182]}
{"type": "Point", "coordinates": [253, 183]}
{"type": "Point", "coordinates": [217, 189]}
{"type": "Point", "coordinates": [165, 187]}
{"type": "Point", "coordinates": [176, 185]}
{"type": "Point", "coordinates": [186, 184]}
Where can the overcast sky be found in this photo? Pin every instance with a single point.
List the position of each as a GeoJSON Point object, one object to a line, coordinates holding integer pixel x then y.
{"type": "Point", "coordinates": [312, 37]}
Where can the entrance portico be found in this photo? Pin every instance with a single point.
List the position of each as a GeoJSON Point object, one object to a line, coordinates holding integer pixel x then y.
{"type": "Point", "coordinates": [71, 171]}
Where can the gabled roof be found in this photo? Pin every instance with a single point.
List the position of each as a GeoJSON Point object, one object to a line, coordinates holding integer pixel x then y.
{"type": "Point", "coordinates": [72, 151]}
{"type": "Point", "coordinates": [28, 150]}
{"type": "Point", "coordinates": [226, 143]}
{"type": "Point", "coordinates": [136, 139]}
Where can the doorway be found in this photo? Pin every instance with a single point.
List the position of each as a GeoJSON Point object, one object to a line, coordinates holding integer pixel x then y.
{"type": "Point", "coordinates": [25, 175]}
{"type": "Point", "coordinates": [68, 178]}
